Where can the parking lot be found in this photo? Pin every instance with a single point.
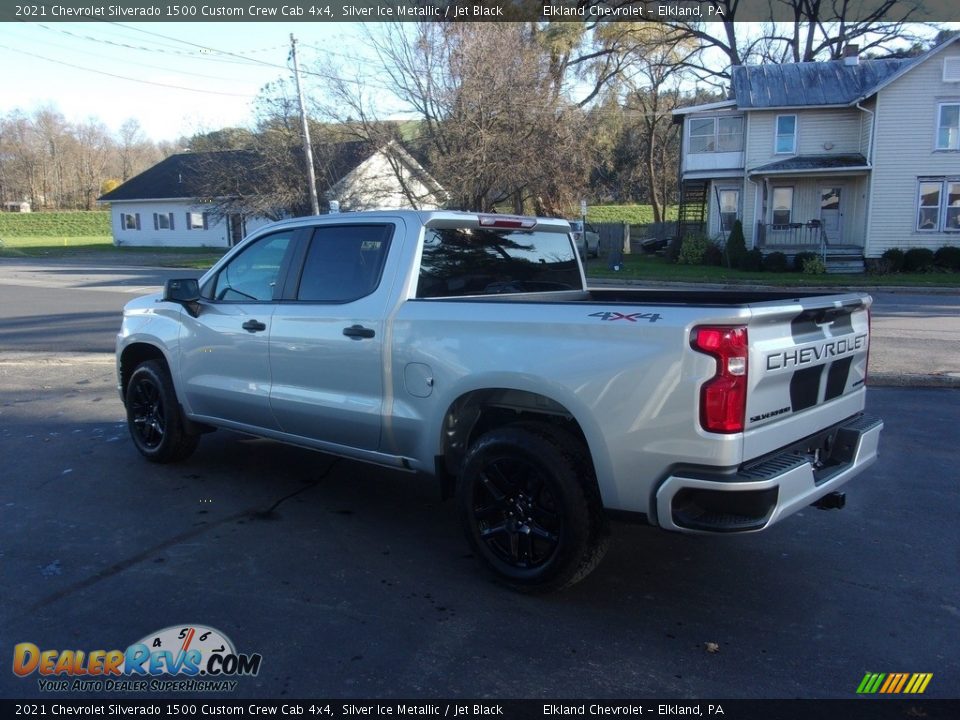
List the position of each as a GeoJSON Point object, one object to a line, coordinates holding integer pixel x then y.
{"type": "Point", "coordinates": [352, 581]}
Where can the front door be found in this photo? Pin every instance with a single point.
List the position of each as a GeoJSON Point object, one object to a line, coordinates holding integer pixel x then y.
{"type": "Point", "coordinates": [831, 213]}
{"type": "Point", "coordinates": [224, 351]}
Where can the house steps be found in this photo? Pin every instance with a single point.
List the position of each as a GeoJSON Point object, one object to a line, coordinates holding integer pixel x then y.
{"type": "Point", "coordinates": [839, 258]}
{"type": "Point", "coordinates": [692, 211]}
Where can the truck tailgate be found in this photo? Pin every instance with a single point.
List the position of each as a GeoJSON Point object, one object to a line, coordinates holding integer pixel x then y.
{"type": "Point", "coordinates": [807, 367]}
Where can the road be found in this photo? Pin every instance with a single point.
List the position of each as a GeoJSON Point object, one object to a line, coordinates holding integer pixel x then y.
{"type": "Point", "coordinates": [353, 581]}
{"type": "Point", "coordinates": [913, 334]}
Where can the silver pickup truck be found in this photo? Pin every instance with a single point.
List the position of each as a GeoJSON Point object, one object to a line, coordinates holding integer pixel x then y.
{"type": "Point", "coordinates": [469, 348]}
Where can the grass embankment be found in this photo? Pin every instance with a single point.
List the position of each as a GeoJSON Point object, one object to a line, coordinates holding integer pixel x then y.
{"type": "Point", "coordinates": [80, 223]}
{"type": "Point", "coordinates": [87, 234]}
{"type": "Point", "coordinates": [630, 214]}
{"type": "Point", "coordinates": [641, 267]}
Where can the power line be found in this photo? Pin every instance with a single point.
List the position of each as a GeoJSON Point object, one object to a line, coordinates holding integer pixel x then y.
{"type": "Point", "coordinates": [206, 48]}
{"type": "Point", "coordinates": [141, 64]}
{"type": "Point", "coordinates": [199, 54]}
{"type": "Point", "coordinates": [124, 77]}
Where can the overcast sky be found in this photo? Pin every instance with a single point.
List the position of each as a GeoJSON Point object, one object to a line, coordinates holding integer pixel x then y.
{"type": "Point", "coordinates": [175, 78]}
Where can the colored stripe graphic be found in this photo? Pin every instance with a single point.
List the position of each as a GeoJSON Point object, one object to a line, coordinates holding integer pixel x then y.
{"type": "Point", "coordinates": [894, 683]}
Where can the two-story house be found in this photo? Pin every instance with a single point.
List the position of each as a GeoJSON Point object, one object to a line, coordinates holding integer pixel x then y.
{"type": "Point", "coordinates": [847, 158]}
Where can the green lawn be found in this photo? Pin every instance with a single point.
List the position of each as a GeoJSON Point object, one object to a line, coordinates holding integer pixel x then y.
{"type": "Point", "coordinates": [652, 267]}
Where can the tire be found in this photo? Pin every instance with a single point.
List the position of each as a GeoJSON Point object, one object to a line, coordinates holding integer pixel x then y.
{"type": "Point", "coordinates": [154, 417]}
{"type": "Point", "coordinates": [529, 505]}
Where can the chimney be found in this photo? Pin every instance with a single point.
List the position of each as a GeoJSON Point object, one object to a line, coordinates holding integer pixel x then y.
{"type": "Point", "coordinates": [851, 54]}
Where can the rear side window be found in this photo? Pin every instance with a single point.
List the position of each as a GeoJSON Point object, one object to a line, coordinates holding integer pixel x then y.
{"type": "Point", "coordinates": [344, 263]}
{"type": "Point", "coordinates": [463, 261]}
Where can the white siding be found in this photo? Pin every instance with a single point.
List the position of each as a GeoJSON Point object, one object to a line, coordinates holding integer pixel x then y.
{"type": "Point", "coordinates": [838, 129]}
{"type": "Point", "coordinates": [215, 235]}
{"type": "Point", "coordinates": [904, 150]}
{"type": "Point", "coordinates": [374, 185]}
{"type": "Point", "coordinates": [866, 127]}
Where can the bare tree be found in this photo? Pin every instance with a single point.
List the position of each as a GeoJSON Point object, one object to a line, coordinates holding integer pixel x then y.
{"type": "Point", "coordinates": [490, 123]}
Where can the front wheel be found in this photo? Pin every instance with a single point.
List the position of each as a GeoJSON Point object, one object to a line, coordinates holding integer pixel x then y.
{"type": "Point", "coordinates": [153, 415]}
{"type": "Point", "coordinates": [528, 503]}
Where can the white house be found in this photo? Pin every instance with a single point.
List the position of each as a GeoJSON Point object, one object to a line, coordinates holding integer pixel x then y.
{"type": "Point", "coordinates": [849, 157]}
{"type": "Point", "coordinates": [173, 203]}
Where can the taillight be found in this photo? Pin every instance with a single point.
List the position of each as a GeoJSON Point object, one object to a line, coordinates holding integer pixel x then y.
{"type": "Point", "coordinates": [723, 398]}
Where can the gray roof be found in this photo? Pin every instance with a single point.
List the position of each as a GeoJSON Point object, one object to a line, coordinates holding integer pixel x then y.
{"type": "Point", "coordinates": [195, 175]}
{"type": "Point", "coordinates": [811, 83]}
{"type": "Point", "coordinates": [813, 162]}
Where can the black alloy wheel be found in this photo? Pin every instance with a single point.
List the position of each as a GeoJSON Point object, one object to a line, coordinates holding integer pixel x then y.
{"type": "Point", "coordinates": [529, 505]}
{"type": "Point", "coordinates": [156, 423]}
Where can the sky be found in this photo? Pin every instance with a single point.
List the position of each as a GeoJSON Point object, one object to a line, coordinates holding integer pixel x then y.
{"type": "Point", "coordinates": [176, 79]}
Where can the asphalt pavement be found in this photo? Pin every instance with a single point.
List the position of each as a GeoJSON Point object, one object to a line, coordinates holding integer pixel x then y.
{"type": "Point", "coordinates": [354, 581]}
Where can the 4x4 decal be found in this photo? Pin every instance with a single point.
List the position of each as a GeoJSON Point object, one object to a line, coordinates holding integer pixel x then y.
{"type": "Point", "coordinates": [629, 317]}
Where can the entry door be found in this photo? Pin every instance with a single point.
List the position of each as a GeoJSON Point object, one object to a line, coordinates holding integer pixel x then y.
{"type": "Point", "coordinates": [224, 351]}
{"type": "Point", "coordinates": [831, 213]}
{"type": "Point", "coordinates": [326, 348]}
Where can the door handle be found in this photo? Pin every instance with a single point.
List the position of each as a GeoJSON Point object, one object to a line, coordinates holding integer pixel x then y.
{"type": "Point", "coordinates": [253, 326]}
{"type": "Point", "coordinates": [358, 332]}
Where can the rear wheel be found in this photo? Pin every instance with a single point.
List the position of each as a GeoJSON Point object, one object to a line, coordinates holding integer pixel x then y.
{"type": "Point", "coordinates": [528, 503]}
{"type": "Point", "coordinates": [154, 418]}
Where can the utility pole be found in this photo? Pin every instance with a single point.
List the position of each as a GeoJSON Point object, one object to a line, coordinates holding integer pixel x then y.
{"type": "Point", "coordinates": [307, 149]}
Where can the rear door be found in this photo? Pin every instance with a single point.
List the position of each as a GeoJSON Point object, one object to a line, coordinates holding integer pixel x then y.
{"type": "Point", "coordinates": [808, 360]}
{"type": "Point", "coordinates": [326, 347]}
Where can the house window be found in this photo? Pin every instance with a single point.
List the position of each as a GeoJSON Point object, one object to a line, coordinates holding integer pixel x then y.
{"type": "Point", "coordinates": [729, 203]}
{"type": "Point", "coordinates": [938, 206]}
{"type": "Point", "coordinates": [952, 215]}
{"type": "Point", "coordinates": [130, 221]}
{"type": "Point", "coordinates": [703, 135]}
{"type": "Point", "coordinates": [782, 205]}
{"type": "Point", "coordinates": [196, 221]}
{"type": "Point", "coordinates": [786, 134]}
{"type": "Point", "coordinates": [730, 134]}
{"type": "Point", "coordinates": [163, 221]}
{"type": "Point", "coordinates": [723, 134]}
{"type": "Point", "coordinates": [948, 127]}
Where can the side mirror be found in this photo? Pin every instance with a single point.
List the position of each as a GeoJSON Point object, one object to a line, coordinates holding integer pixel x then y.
{"type": "Point", "coordinates": [183, 291]}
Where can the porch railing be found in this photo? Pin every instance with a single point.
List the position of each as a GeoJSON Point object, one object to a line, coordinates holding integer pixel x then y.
{"type": "Point", "coordinates": [793, 236]}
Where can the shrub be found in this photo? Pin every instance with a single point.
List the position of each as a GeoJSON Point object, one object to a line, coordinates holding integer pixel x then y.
{"type": "Point", "coordinates": [713, 255]}
{"type": "Point", "coordinates": [947, 257]}
{"type": "Point", "coordinates": [877, 266]}
{"type": "Point", "coordinates": [800, 258]}
{"type": "Point", "coordinates": [752, 260]}
{"type": "Point", "coordinates": [918, 260]}
{"type": "Point", "coordinates": [814, 266]}
{"type": "Point", "coordinates": [895, 257]}
{"type": "Point", "coordinates": [775, 262]}
{"type": "Point", "coordinates": [736, 246]}
{"type": "Point", "coordinates": [692, 250]}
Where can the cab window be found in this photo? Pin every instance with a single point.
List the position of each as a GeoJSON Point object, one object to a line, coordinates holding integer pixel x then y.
{"type": "Point", "coordinates": [253, 275]}
{"type": "Point", "coordinates": [344, 263]}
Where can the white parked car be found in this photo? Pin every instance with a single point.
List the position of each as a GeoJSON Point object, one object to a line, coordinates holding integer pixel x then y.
{"type": "Point", "coordinates": [587, 242]}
